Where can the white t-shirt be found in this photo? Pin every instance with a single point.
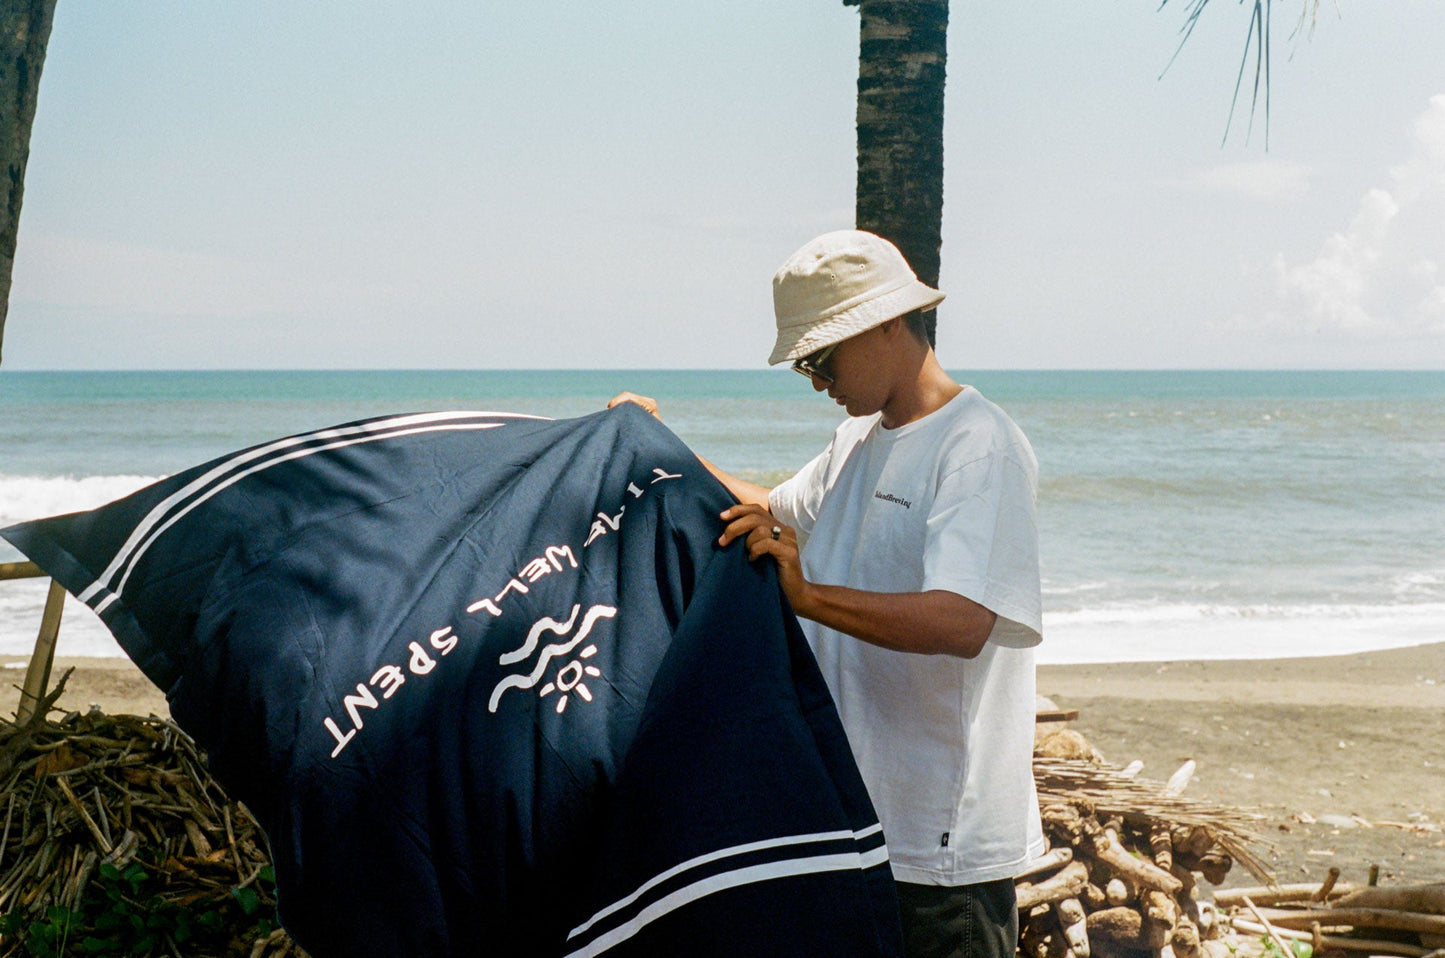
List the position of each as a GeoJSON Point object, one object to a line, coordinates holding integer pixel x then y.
{"type": "Point", "coordinates": [945, 744]}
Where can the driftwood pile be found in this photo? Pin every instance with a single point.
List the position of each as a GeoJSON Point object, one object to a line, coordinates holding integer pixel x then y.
{"type": "Point", "coordinates": [114, 831]}
{"type": "Point", "coordinates": [1126, 856]}
{"type": "Point", "coordinates": [1333, 917]}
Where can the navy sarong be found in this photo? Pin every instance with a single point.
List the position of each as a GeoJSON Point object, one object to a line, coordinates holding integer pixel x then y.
{"type": "Point", "coordinates": [491, 688]}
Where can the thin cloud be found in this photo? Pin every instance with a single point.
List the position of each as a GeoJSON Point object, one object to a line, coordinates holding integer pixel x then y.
{"type": "Point", "coordinates": [79, 274]}
{"type": "Point", "coordinates": [1273, 180]}
{"type": "Point", "coordinates": [1380, 274]}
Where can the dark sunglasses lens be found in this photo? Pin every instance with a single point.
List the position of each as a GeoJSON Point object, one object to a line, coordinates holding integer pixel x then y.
{"type": "Point", "coordinates": [812, 365]}
{"type": "Point", "coordinates": [811, 369]}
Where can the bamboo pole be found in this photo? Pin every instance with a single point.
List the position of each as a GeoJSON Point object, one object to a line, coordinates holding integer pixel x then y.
{"type": "Point", "coordinates": [1269, 929]}
{"type": "Point", "coordinates": [1358, 918]}
{"type": "Point", "coordinates": [37, 676]}
{"type": "Point", "coordinates": [1334, 941]}
{"type": "Point", "coordinates": [20, 570]}
{"type": "Point", "coordinates": [1279, 894]}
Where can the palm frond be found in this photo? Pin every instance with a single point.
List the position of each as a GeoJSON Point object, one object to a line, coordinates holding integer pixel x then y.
{"type": "Point", "coordinates": [1257, 45]}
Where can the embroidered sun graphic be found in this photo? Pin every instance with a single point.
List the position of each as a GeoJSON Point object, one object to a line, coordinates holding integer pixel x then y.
{"type": "Point", "coordinates": [570, 678]}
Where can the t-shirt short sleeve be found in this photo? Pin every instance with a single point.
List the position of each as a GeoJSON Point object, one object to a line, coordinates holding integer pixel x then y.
{"type": "Point", "coordinates": [982, 543]}
{"type": "Point", "coordinates": [797, 501]}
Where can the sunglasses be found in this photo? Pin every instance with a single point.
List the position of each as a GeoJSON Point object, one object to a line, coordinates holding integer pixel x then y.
{"type": "Point", "coordinates": [812, 365]}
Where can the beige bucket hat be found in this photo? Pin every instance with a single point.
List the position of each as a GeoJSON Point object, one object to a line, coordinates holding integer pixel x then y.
{"type": "Point", "coordinates": [839, 285]}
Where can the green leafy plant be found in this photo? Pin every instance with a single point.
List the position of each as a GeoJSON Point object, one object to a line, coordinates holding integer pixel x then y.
{"type": "Point", "coordinates": [1300, 949]}
{"type": "Point", "coordinates": [126, 913]}
{"type": "Point", "coordinates": [44, 937]}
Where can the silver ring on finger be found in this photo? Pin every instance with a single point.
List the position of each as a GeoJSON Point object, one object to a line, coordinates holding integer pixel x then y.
{"type": "Point", "coordinates": [777, 531]}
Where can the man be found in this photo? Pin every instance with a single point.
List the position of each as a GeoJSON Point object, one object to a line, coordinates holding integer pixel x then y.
{"type": "Point", "coordinates": [910, 550]}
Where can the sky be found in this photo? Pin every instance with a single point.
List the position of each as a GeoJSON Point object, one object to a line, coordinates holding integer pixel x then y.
{"type": "Point", "coordinates": [612, 185]}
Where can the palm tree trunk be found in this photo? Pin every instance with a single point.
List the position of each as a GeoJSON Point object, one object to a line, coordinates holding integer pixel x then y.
{"type": "Point", "coordinates": [24, 32]}
{"type": "Point", "coordinates": [901, 60]}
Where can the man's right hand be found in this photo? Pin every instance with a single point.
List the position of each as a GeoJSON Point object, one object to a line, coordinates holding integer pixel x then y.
{"type": "Point", "coordinates": [645, 402]}
{"type": "Point", "coordinates": [741, 488]}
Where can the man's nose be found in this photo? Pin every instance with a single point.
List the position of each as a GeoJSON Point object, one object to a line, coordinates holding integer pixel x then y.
{"type": "Point", "coordinates": [819, 383]}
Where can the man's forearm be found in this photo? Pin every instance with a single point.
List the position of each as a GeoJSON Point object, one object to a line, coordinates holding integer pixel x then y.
{"type": "Point", "coordinates": [936, 622]}
{"type": "Point", "coordinates": [932, 623]}
{"type": "Point", "coordinates": [744, 490]}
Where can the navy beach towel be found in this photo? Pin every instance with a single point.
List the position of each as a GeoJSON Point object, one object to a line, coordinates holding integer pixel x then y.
{"type": "Point", "coordinates": [491, 688]}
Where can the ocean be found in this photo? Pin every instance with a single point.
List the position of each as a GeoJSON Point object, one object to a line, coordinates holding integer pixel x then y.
{"type": "Point", "coordinates": [1183, 515]}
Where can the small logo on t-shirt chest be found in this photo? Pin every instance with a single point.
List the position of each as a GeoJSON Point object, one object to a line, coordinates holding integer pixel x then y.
{"type": "Point", "coordinates": [889, 497]}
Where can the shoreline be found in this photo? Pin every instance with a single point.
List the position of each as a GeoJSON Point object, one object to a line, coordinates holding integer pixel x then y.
{"type": "Point", "coordinates": [1341, 757]}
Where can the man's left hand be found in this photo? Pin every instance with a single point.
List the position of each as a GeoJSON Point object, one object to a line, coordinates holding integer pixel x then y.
{"type": "Point", "coordinates": [765, 536]}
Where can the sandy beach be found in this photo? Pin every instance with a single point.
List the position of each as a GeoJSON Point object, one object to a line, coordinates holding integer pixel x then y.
{"type": "Point", "coordinates": [1342, 757]}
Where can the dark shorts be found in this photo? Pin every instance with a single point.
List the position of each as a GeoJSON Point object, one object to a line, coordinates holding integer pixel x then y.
{"type": "Point", "coordinates": [963, 921]}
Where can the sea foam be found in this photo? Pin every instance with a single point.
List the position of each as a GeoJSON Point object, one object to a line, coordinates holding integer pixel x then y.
{"type": "Point", "coordinates": [35, 497]}
{"type": "Point", "coordinates": [23, 498]}
{"type": "Point", "coordinates": [1141, 632]}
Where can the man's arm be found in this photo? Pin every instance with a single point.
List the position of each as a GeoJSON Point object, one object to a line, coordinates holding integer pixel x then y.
{"type": "Point", "coordinates": [931, 623]}
{"type": "Point", "coordinates": [745, 491]}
